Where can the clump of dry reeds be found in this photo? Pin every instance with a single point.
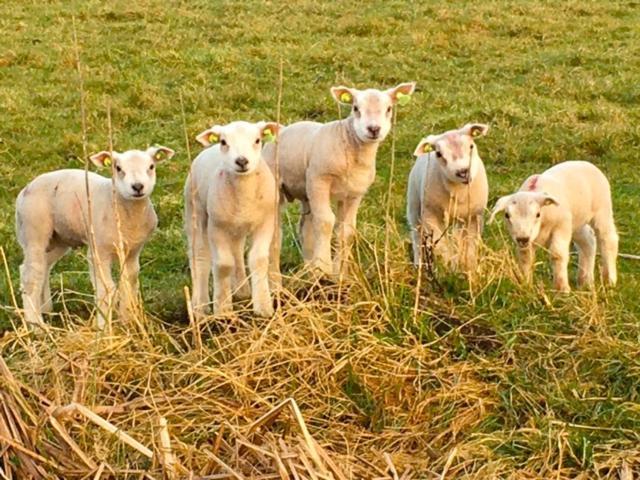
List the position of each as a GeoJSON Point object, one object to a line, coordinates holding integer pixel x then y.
{"type": "Point", "coordinates": [349, 380]}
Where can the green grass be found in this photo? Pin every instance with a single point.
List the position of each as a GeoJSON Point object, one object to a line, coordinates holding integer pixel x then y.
{"type": "Point", "coordinates": [556, 81]}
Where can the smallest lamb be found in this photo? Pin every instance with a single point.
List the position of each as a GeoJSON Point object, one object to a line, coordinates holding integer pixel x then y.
{"type": "Point", "coordinates": [52, 216]}
{"type": "Point", "coordinates": [230, 195]}
{"type": "Point", "coordinates": [448, 186]}
{"type": "Point", "coordinates": [566, 202]}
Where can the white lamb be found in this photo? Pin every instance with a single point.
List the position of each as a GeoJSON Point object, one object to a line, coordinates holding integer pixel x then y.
{"type": "Point", "coordinates": [230, 195]}
{"type": "Point", "coordinates": [448, 187]}
{"type": "Point", "coordinates": [52, 216]}
{"type": "Point", "coordinates": [336, 161]}
{"type": "Point", "coordinates": [568, 201]}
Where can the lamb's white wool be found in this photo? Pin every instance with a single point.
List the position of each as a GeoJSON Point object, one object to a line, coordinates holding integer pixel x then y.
{"type": "Point", "coordinates": [567, 202]}
{"type": "Point", "coordinates": [335, 161]}
{"type": "Point", "coordinates": [52, 216]}
{"type": "Point", "coordinates": [230, 195]}
{"type": "Point", "coordinates": [448, 186]}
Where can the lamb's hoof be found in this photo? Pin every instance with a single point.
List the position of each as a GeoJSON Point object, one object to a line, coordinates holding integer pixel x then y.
{"type": "Point", "coordinates": [243, 292]}
{"type": "Point", "coordinates": [263, 311]}
{"type": "Point", "coordinates": [322, 270]}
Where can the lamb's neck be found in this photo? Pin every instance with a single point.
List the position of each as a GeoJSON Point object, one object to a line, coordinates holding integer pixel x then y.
{"type": "Point", "coordinates": [129, 209]}
{"type": "Point", "coordinates": [244, 186]}
{"type": "Point", "coordinates": [364, 153]}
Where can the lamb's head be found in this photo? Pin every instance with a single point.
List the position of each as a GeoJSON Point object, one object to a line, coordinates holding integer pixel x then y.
{"type": "Point", "coordinates": [134, 171]}
{"type": "Point", "coordinates": [523, 213]}
{"type": "Point", "coordinates": [372, 109]}
{"type": "Point", "coordinates": [240, 143]}
{"type": "Point", "coordinates": [456, 151]}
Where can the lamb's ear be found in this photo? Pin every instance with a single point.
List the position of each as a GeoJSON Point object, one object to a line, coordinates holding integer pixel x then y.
{"type": "Point", "coordinates": [425, 146]}
{"type": "Point", "coordinates": [209, 136]}
{"type": "Point", "coordinates": [344, 95]}
{"type": "Point", "coordinates": [103, 159]}
{"type": "Point", "coordinates": [401, 94]}
{"type": "Point", "coordinates": [544, 199]}
{"type": "Point", "coordinates": [160, 153]}
{"type": "Point", "coordinates": [475, 130]}
{"type": "Point", "coordinates": [500, 205]}
{"type": "Point", "coordinates": [269, 130]}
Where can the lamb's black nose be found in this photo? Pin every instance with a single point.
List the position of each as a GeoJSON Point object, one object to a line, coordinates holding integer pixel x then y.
{"type": "Point", "coordinates": [374, 130]}
{"type": "Point", "coordinates": [137, 187]}
{"type": "Point", "coordinates": [523, 241]}
{"type": "Point", "coordinates": [463, 173]}
{"type": "Point", "coordinates": [242, 162]}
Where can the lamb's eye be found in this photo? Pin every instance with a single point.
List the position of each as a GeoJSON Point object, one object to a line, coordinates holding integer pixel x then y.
{"type": "Point", "coordinates": [538, 215]}
{"type": "Point", "coordinates": [257, 141]}
{"type": "Point", "coordinates": [223, 143]}
{"type": "Point", "coordinates": [507, 216]}
{"type": "Point", "coordinates": [152, 166]}
{"type": "Point", "coordinates": [356, 109]}
{"type": "Point", "coordinates": [389, 109]}
{"type": "Point", "coordinates": [438, 154]}
{"type": "Point", "coordinates": [118, 169]}
{"type": "Point", "coordinates": [471, 147]}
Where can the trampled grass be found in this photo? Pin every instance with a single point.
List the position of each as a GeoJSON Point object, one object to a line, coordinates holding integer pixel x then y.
{"type": "Point", "coordinates": [488, 380]}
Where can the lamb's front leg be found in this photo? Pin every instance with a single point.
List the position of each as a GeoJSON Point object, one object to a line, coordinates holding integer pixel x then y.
{"type": "Point", "coordinates": [129, 285]}
{"type": "Point", "coordinates": [240, 286]}
{"type": "Point", "coordinates": [223, 268]}
{"type": "Point", "coordinates": [559, 251]}
{"type": "Point", "coordinates": [471, 239]}
{"type": "Point", "coordinates": [433, 237]}
{"type": "Point", "coordinates": [104, 287]}
{"type": "Point", "coordinates": [526, 256]}
{"type": "Point", "coordinates": [346, 233]}
{"type": "Point", "coordinates": [259, 270]}
{"type": "Point", "coordinates": [319, 193]}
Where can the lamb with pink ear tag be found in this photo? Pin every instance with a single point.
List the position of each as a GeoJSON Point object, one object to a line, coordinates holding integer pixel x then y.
{"type": "Point", "coordinates": [446, 196]}
{"type": "Point", "coordinates": [52, 216]}
{"type": "Point", "coordinates": [570, 201]}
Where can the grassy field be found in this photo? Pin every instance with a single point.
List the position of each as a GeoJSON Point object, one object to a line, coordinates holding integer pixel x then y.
{"type": "Point", "coordinates": [490, 380]}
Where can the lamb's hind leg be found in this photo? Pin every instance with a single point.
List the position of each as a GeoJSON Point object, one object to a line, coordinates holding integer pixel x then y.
{"type": "Point", "coordinates": [32, 272]}
{"type": "Point", "coordinates": [199, 260]}
{"type": "Point", "coordinates": [275, 276]}
{"type": "Point", "coordinates": [54, 253]}
{"type": "Point", "coordinates": [305, 230]}
{"type": "Point", "coordinates": [585, 241]}
{"type": "Point", "coordinates": [608, 242]}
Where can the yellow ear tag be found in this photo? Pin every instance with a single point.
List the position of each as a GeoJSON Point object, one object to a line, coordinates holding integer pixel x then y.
{"type": "Point", "coordinates": [267, 135]}
{"type": "Point", "coordinates": [107, 162]}
{"type": "Point", "coordinates": [475, 132]}
{"type": "Point", "coordinates": [427, 148]}
{"type": "Point", "coordinates": [213, 138]}
{"type": "Point", "coordinates": [158, 156]}
{"type": "Point", "coordinates": [345, 97]}
{"type": "Point", "coordinates": [402, 98]}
